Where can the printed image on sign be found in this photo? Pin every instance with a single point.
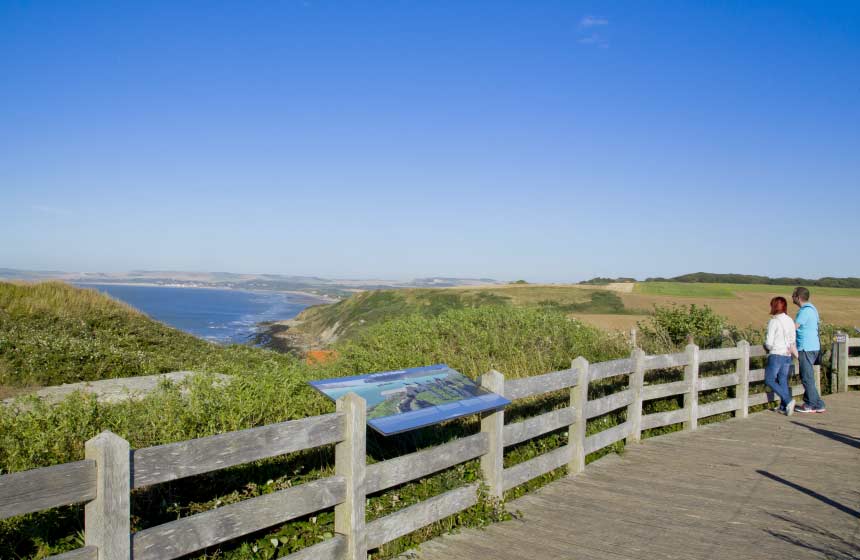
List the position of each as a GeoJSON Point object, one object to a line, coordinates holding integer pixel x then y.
{"type": "Point", "coordinates": [406, 399]}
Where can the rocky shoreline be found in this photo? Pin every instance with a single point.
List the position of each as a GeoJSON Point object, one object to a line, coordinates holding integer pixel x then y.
{"type": "Point", "coordinates": [287, 337]}
{"type": "Point", "coordinates": [281, 336]}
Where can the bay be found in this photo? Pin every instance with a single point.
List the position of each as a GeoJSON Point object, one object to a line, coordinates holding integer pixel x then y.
{"type": "Point", "coordinates": [218, 315]}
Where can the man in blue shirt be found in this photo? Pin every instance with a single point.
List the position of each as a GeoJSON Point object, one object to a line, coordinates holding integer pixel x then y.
{"type": "Point", "coordinates": [808, 349]}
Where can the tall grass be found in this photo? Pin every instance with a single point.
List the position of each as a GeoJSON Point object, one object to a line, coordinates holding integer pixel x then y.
{"type": "Point", "coordinates": [53, 333]}
{"type": "Point", "coordinates": [518, 342]}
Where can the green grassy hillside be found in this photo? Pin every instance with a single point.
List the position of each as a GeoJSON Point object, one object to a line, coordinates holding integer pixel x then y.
{"type": "Point", "coordinates": [53, 333]}
{"type": "Point", "coordinates": [347, 318]}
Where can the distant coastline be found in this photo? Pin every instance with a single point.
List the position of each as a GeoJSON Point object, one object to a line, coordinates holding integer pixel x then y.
{"type": "Point", "coordinates": [319, 298]}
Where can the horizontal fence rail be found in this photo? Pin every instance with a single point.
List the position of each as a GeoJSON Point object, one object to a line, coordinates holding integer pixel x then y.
{"type": "Point", "coordinates": [189, 534]}
{"type": "Point", "coordinates": [105, 478]}
{"type": "Point", "coordinates": [197, 456]}
{"type": "Point", "coordinates": [38, 489]}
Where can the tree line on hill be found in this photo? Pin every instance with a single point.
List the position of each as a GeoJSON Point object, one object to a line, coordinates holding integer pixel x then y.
{"type": "Point", "coordinates": [714, 278]}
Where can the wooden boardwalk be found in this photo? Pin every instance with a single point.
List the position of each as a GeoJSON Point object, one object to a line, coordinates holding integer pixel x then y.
{"type": "Point", "coordinates": [770, 487]}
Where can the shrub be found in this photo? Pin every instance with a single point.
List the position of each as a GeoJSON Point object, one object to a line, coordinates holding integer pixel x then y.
{"type": "Point", "coordinates": [669, 327]}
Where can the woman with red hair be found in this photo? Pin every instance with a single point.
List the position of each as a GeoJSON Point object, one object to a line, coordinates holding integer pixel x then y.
{"type": "Point", "coordinates": [780, 344]}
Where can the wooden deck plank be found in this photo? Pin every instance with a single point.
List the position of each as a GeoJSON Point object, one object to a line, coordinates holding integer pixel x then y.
{"type": "Point", "coordinates": [764, 487]}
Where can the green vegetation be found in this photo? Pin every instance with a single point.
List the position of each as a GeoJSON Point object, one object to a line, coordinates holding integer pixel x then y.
{"type": "Point", "coordinates": [53, 333]}
{"type": "Point", "coordinates": [669, 328]}
{"type": "Point", "coordinates": [518, 342]}
{"type": "Point", "coordinates": [786, 290]}
{"type": "Point", "coordinates": [601, 281]}
{"type": "Point", "coordinates": [267, 387]}
{"type": "Point", "coordinates": [364, 309]}
{"type": "Point", "coordinates": [685, 290]}
{"type": "Point", "coordinates": [472, 331]}
{"type": "Point", "coordinates": [347, 318]}
{"type": "Point", "coordinates": [600, 302]}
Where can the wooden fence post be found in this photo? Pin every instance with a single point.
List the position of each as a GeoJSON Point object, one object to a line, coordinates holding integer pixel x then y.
{"type": "Point", "coordinates": [634, 409]}
{"type": "Point", "coordinates": [742, 391]}
{"type": "Point", "coordinates": [350, 457]}
{"type": "Point", "coordinates": [691, 397]}
{"type": "Point", "coordinates": [492, 424]}
{"type": "Point", "coordinates": [633, 333]}
{"type": "Point", "coordinates": [842, 342]}
{"type": "Point", "coordinates": [793, 372]}
{"type": "Point", "coordinates": [107, 523]}
{"type": "Point", "coordinates": [576, 432]}
{"type": "Point", "coordinates": [834, 367]}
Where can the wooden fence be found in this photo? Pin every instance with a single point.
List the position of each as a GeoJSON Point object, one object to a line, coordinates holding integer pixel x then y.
{"type": "Point", "coordinates": [111, 470]}
{"type": "Point", "coordinates": [842, 360]}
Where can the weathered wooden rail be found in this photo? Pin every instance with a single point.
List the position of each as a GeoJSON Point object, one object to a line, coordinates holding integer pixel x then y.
{"type": "Point", "coordinates": [111, 470]}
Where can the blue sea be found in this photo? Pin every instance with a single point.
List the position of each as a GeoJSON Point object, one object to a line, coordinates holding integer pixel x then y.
{"type": "Point", "coordinates": [224, 316]}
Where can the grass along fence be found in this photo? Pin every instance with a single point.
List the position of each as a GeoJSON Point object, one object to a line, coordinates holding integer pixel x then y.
{"type": "Point", "coordinates": [105, 478]}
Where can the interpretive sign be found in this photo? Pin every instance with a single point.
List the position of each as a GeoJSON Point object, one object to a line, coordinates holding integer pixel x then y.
{"type": "Point", "coordinates": [406, 399]}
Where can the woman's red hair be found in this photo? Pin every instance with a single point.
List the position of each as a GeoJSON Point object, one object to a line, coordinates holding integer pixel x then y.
{"type": "Point", "coordinates": [778, 305]}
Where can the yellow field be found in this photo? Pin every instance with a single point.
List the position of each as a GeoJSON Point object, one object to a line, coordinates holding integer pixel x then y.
{"type": "Point", "coordinates": [744, 305]}
{"type": "Point", "coordinates": [610, 322]}
{"type": "Point", "coordinates": [751, 307]}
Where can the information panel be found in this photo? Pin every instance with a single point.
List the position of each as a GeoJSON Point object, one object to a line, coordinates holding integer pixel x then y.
{"type": "Point", "coordinates": [406, 399]}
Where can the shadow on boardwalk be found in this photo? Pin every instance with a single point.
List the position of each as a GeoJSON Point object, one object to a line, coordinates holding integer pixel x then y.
{"type": "Point", "coordinates": [766, 487]}
{"type": "Point", "coordinates": [815, 538]}
{"type": "Point", "coordinates": [836, 436]}
{"type": "Point", "coordinates": [812, 493]}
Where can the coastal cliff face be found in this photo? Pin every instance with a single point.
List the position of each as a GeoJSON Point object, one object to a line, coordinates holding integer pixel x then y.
{"type": "Point", "coordinates": [289, 337]}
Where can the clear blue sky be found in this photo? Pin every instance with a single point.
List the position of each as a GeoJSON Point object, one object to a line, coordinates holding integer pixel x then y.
{"type": "Point", "coordinates": [551, 141]}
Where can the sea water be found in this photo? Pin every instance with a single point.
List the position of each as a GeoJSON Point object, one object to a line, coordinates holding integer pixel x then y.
{"type": "Point", "coordinates": [218, 315]}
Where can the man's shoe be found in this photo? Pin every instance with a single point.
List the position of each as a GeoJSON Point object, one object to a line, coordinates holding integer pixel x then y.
{"type": "Point", "coordinates": [789, 408]}
{"type": "Point", "coordinates": [820, 410]}
{"type": "Point", "coordinates": [804, 409]}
